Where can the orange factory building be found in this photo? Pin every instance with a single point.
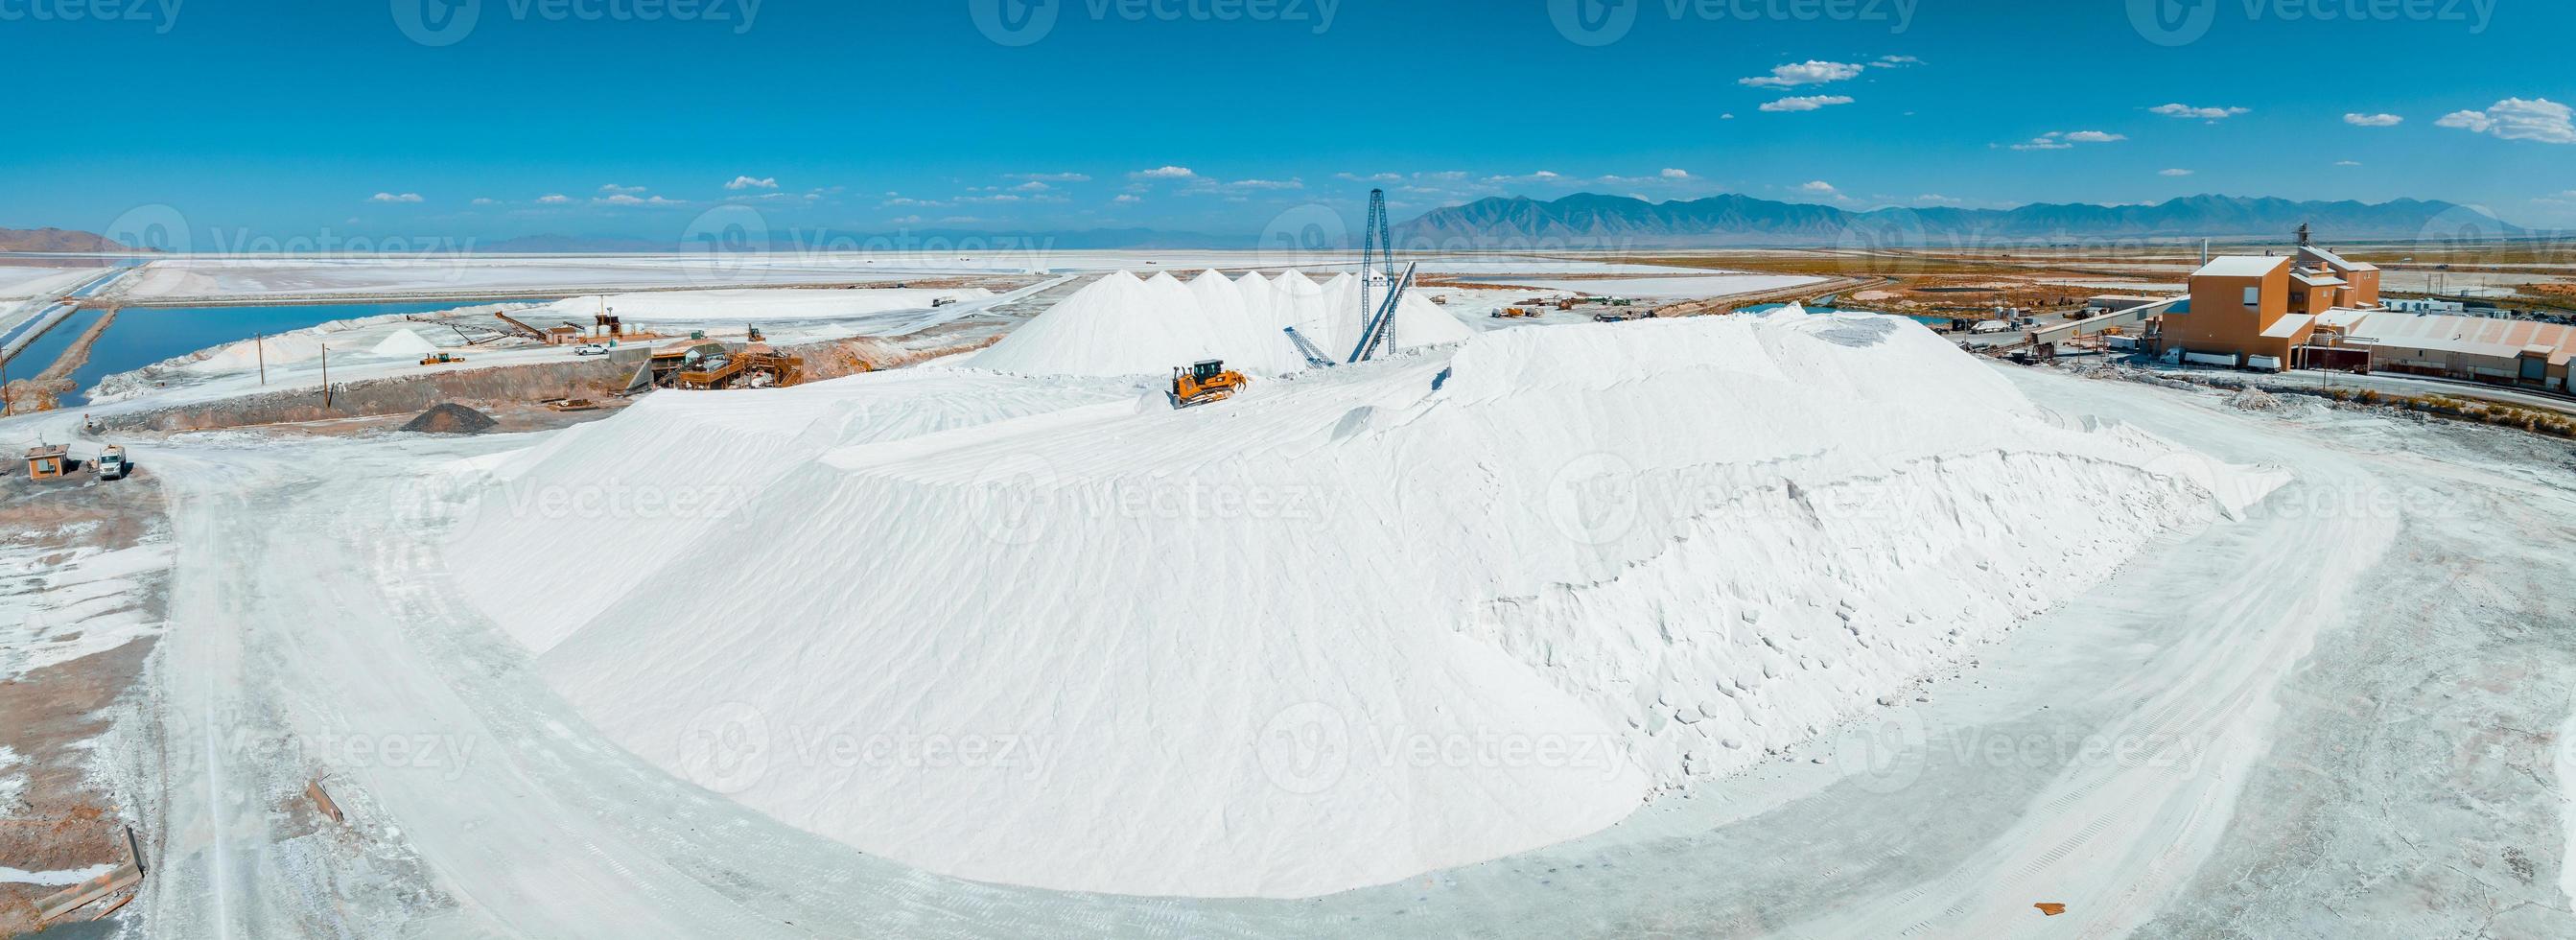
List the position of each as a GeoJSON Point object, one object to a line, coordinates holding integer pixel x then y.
{"type": "Point", "coordinates": [2276, 312]}
{"type": "Point", "coordinates": [2256, 311]}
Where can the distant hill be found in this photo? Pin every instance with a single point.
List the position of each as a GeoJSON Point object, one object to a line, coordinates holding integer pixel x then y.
{"type": "Point", "coordinates": [1589, 219]}
{"type": "Point", "coordinates": [56, 240]}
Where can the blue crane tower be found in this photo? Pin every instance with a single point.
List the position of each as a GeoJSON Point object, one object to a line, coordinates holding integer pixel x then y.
{"type": "Point", "coordinates": [1377, 259]}
{"type": "Point", "coordinates": [1377, 318]}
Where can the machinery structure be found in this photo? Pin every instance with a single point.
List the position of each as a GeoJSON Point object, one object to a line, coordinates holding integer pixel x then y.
{"type": "Point", "coordinates": [1378, 331]}
{"type": "Point", "coordinates": [1205, 382]}
{"type": "Point", "coordinates": [1377, 318]}
{"type": "Point", "coordinates": [1377, 250]}
{"type": "Point", "coordinates": [441, 359]}
{"type": "Point", "coordinates": [704, 364]}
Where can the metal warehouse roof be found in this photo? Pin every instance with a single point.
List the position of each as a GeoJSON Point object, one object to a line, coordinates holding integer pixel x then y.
{"type": "Point", "coordinates": [2240, 266]}
{"type": "Point", "coordinates": [2335, 259]}
{"type": "Point", "coordinates": [2475, 336]}
{"type": "Point", "coordinates": [2289, 326]}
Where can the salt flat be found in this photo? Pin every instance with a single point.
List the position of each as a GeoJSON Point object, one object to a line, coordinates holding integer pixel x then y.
{"type": "Point", "coordinates": [1714, 285]}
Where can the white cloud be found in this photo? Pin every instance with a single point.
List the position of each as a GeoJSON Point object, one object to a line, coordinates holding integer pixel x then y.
{"type": "Point", "coordinates": [2061, 140]}
{"type": "Point", "coordinates": [1267, 184]}
{"type": "Point", "coordinates": [1033, 186]}
{"type": "Point", "coordinates": [1372, 178]}
{"type": "Point", "coordinates": [746, 182]}
{"type": "Point", "coordinates": [2373, 120]}
{"type": "Point", "coordinates": [630, 199]}
{"type": "Point", "coordinates": [1127, 199]}
{"type": "Point", "coordinates": [2539, 119]}
{"type": "Point", "coordinates": [2206, 114]}
{"type": "Point", "coordinates": [2175, 173]}
{"type": "Point", "coordinates": [1936, 199]}
{"type": "Point", "coordinates": [1819, 187]}
{"type": "Point", "coordinates": [1810, 72]}
{"type": "Point", "coordinates": [613, 188]}
{"type": "Point", "coordinates": [1164, 173]}
{"type": "Point", "coordinates": [1676, 174]}
{"type": "Point", "coordinates": [1048, 177]}
{"type": "Point", "coordinates": [1895, 61]}
{"type": "Point", "coordinates": [1806, 103]}
{"type": "Point", "coordinates": [555, 199]}
{"type": "Point", "coordinates": [1728, 116]}
{"type": "Point", "coordinates": [2064, 140]}
{"type": "Point", "coordinates": [2347, 163]}
{"type": "Point", "coordinates": [394, 197]}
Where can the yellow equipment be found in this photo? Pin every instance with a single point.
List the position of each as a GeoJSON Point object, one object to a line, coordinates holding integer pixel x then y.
{"type": "Point", "coordinates": [1205, 382]}
{"type": "Point", "coordinates": [440, 359]}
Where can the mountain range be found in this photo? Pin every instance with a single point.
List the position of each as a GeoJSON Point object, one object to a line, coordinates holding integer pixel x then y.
{"type": "Point", "coordinates": [1590, 220]}
{"type": "Point", "coordinates": [927, 240]}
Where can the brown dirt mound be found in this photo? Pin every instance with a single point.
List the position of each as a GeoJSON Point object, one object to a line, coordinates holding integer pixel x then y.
{"type": "Point", "coordinates": [451, 418]}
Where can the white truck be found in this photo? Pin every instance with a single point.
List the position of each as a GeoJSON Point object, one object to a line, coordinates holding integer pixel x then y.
{"type": "Point", "coordinates": [112, 464]}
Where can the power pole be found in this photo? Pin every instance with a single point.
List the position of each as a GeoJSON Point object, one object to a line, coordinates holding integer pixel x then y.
{"type": "Point", "coordinates": [326, 377]}
{"type": "Point", "coordinates": [259, 342]}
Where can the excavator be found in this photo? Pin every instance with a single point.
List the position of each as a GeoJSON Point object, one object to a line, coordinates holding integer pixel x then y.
{"type": "Point", "coordinates": [1205, 382]}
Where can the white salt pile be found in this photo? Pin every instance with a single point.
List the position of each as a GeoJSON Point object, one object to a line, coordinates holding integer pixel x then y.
{"type": "Point", "coordinates": [1121, 325]}
{"type": "Point", "coordinates": [403, 344]}
{"type": "Point", "coordinates": [1337, 634]}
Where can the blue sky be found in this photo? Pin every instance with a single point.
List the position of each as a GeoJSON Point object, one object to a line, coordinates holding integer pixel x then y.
{"type": "Point", "coordinates": [490, 119]}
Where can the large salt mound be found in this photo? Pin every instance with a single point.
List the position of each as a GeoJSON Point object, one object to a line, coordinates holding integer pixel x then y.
{"type": "Point", "coordinates": [1121, 325]}
{"type": "Point", "coordinates": [403, 344]}
{"type": "Point", "coordinates": [1337, 632]}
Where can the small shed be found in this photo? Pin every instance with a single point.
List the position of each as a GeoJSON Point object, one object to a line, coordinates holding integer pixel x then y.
{"type": "Point", "coordinates": [48, 462]}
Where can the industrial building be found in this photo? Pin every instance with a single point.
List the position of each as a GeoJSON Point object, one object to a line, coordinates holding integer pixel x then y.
{"type": "Point", "coordinates": [2520, 353]}
{"type": "Point", "coordinates": [2257, 311]}
{"type": "Point", "coordinates": [2315, 308]}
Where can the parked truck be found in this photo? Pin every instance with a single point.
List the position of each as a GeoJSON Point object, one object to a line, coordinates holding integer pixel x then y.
{"type": "Point", "coordinates": [112, 464]}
